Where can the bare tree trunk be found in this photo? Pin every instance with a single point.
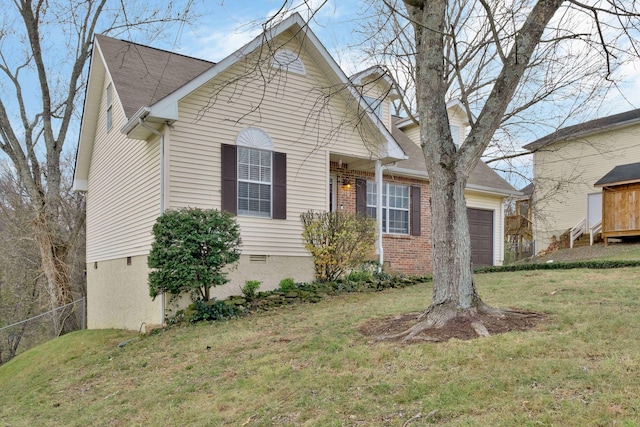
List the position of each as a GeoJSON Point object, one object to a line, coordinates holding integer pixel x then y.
{"type": "Point", "coordinates": [53, 255]}
{"type": "Point", "coordinates": [451, 257]}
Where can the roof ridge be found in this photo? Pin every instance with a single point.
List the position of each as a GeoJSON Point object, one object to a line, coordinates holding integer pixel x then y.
{"type": "Point", "coordinates": [155, 48]}
{"type": "Point", "coordinates": [590, 126]}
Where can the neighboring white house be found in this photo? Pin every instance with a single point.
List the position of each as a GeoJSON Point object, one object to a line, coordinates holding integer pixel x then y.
{"type": "Point", "coordinates": [266, 133]}
{"type": "Point", "coordinates": [567, 164]}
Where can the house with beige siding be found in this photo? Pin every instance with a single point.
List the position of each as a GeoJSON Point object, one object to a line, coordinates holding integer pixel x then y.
{"type": "Point", "coordinates": [271, 131]}
{"type": "Point", "coordinates": [568, 163]}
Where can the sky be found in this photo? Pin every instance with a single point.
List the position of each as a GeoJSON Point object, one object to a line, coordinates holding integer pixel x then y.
{"type": "Point", "coordinates": [226, 25]}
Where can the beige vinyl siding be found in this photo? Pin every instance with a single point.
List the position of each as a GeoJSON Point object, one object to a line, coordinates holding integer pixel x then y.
{"type": "Point", "coordinates": [413, 132]}
{"type": "Point", "coordinates": [493, 203]}
{"type": "Point", "coordinates": [375, 90]}
{"type": "Point", "coordinates": [287, 110]}
{"type": "Point", "coordinates": [565, 173]}
{"type": "Point", "coordinates": [123, 200]}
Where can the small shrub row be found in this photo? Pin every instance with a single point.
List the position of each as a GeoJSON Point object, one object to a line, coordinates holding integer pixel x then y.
{"type": "Point", "coordinates": [558, 266]}
{"type": "Point", "coordinates": [288, 293]}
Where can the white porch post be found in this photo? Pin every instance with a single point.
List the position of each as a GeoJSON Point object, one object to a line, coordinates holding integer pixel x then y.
{"type": "Point", "coordinates": [379, 214]}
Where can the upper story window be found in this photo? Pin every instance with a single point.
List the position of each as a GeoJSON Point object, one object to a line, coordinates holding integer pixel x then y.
{"type": "Point", "coordinates": [395, 206]}
{"type": "Point", "coordinates": [455, 134]}
{"type": "Point", "coordinates": [109, 102]}
{"type": "Point", "coordinates": [375, 104]}
{"type": "Point", "coordinates": [288, 61]}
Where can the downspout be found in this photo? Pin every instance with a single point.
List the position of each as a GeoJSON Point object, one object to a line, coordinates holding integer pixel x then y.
{"type": "Point", "coordinates": [502, 242]}
{"type": "Point", "coordinates": [162, 172]}
{"type": "Point", "coordinates": [379, 213]}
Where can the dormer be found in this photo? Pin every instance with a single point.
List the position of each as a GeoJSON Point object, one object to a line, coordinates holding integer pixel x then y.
{"type": "Point", "coordinates": [378, 90]}
{"type": "Point", "coordinates": [458, 123]}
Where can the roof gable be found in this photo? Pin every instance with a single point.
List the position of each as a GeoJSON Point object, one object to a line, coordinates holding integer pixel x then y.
{"type": "Point", "coordinates": [166, 109]}
{"type": "Point", "coordinates": [150, 83]}
{"type": "Point", "coordinates": [586, 128]}
{"type": "Point", "coordinates": [378, 75]}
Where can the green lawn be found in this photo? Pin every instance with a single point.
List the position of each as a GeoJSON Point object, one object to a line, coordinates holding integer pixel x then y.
{"type": "Point", "coordinates": [308, 366]}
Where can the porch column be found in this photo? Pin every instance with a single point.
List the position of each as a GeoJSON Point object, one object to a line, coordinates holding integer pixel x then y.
{"type": "Point", "coordinates": [380, 249]}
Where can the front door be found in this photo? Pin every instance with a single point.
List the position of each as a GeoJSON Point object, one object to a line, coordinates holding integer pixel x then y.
{"type": "Point", "coordinates": [333, 193]}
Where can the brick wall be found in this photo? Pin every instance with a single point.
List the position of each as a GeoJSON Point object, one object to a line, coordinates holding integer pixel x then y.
{"type": "Point", "coordinates": [402, 253]}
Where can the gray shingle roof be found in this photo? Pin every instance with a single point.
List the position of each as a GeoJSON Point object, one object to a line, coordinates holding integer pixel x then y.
{"type": "Point", "coordinates": [143, 75]}
{"type": "Point", "coordinates": [620, 174]}
{"type": "Point", "coordinates": [585, 128]}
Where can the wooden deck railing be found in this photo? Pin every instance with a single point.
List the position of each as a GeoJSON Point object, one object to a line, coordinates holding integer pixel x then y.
{"type": "Point", "coordinates": [518, 225]}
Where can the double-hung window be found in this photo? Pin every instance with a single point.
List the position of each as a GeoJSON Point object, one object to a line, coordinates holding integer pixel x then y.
{"type": "Point", "coordinates": [254, 181]}
{"type": "Point", "coordinates": [375, 104]}
{"type": "Point", "coordinates": [395, 206]}
{"type": "Point", "coordinates": [254, 176]}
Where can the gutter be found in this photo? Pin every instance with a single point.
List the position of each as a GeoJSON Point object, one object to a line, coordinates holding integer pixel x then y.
{"type": "Point", "coordinates": [137, 119]}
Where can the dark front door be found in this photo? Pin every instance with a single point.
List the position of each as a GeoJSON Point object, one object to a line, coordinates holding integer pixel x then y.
{"type": "Point", "coordinates": [481, 232]}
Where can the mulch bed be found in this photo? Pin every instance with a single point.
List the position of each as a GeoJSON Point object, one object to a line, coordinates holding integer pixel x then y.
{"type": "Point", "coordinates": [459, 328]}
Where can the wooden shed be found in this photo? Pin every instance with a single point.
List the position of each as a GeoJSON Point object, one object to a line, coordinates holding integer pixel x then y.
{"type": "Point", "coordinates": [620, 201]}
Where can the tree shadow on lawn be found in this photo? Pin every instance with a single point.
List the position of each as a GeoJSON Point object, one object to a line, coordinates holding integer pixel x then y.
{"type": "Point", "coordinates": [459, 327]}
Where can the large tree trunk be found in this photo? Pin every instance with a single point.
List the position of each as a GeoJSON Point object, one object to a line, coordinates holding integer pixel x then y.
{"type": "Point", "coordinates": [448, 166]}
{"type": "Point", "coordinates": [450, 242]}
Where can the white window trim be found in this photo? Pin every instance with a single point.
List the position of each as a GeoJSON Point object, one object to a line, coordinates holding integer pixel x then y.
{"type": "Point", "coordinates": [254, 138]}
{"type": "Point", "coordinates": [385, 206]}
{"type": "Point", "coordinates": [375, 104]}
{"type": "Point", "coordinates": [455, 134]}
{"type": "Point", "coordinates": [248, 212]}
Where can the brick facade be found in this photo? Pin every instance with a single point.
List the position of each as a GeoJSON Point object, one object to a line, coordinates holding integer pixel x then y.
{"type": "Point", "coordinates": [402, 253]}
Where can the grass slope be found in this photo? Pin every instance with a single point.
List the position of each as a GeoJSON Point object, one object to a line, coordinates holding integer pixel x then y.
{"type": "Point", "coordinates": [308, 366]}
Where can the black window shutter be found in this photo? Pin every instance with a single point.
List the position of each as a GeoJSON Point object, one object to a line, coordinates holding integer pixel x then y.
{"type": "Point", "coordinates": [279, 209]}
{"type": "Point", "coordinates": [415, 211]}
{"type": "Point", "coordinates": [361, 196]}
{"type": "Point", "coordinates": [229, 179]}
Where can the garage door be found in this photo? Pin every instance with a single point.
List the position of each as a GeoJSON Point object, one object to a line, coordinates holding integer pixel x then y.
{"type": "Point", "coordinates": [481, 231]}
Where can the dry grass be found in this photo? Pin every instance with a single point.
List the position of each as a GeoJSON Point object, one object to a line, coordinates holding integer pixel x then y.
{"type": "Point", "coordinates": [309, 366]}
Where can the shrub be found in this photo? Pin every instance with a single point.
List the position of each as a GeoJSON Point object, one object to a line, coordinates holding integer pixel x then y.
{"type": "Point", "coordinates": [250, 288]}
{"type": "Point", "coordinates": [366, 272]}
{"type": "Point", "coordinates": [190, 249]}
{"type": "Point", "coordinates": [287, 285]}
{"type": "Point", "coordinates": [337, 241]}
{"type": "Point", "coordinates": [213, 310]}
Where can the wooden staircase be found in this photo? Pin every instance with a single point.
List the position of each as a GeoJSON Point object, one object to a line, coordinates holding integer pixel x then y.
{"type": "Point", "coordinates": [585, 240]}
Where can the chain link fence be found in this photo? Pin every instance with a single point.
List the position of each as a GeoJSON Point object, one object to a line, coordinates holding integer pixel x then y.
{"type": "Point", "coordinates": [21, 336]}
